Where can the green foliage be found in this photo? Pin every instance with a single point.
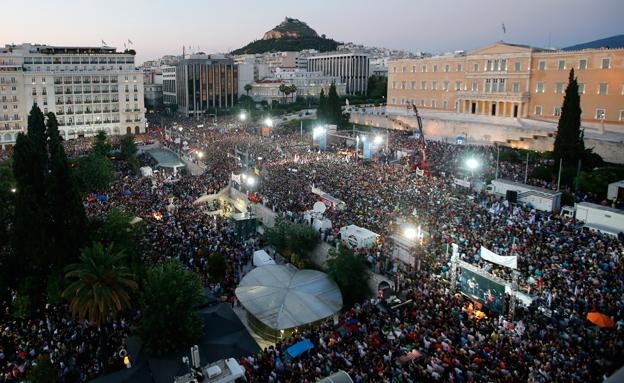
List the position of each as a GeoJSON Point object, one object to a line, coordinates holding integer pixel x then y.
{"type": "Point", "coordinates": [288, 44]}
{"type": "Point", "coordinates": [248, 88]}
{"type": "Point", "coordinates": [133, 164]}
{"type": "Point", "coordinates": [7, 201]}
{"type": "Point", "coordinates": [217, 267]}
{"type": "Point", "coordinates": [349, 271]}
{"type": "Point", "coordinates": [567, 199]}
{"type": "Point", "coordinates": [597, 181]}
{"type": "Point", "coordinates": [168, 299]}
{"type": "Point", "coordinates": [543, 173]}
{"type": "Point", "coordinates": [57, 283]}
{"type": "Point", "coordinates": [101, 145]}
{"type": "Point", "coordinates": [509, 156]}
{"type": "Point", "coordinates": [43, 371]}
{"type": "Point", "coordinates": [330, 111]}
{"type": "Point", "coordinates": [95, 172]}
{"type": "Point", "coordinates": [22, 306]}
{"type": "Point", "coordinates": [115, 227]}
{"type": "Point", "coordinates": [287, 236]}
{"type": "Point", "coordinates": [128, 146]}
{"type": "Point", "coordinates": [101, 285]}
{"type": "Point", "coordinates": [377, 87]}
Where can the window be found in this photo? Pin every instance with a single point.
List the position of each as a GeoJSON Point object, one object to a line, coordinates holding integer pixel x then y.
{"type": "Point", "coordinates": [447, 67]}
{"type": "Point", "coordinates": [542, 65]}
{"type": "Point", "coordinates": [393, 85]}
{"type": "Point", "coordinates": [45, 101]}
{"type": "Point", "coordinates": [413, 84]}
{"type": "Point", "coordinates": [434, 86]}
{"type": "Point", "coordinates": [583, 64]}
{"type": "Point", "coordinates": [435, 68]}
{"type": "Point", "coordinates": [603, 88]}
{"type": "Point", "coordinates": [540, 87]}
{"type": "Point", "coordinates": [476, 67]}
{"type": "Point", "coordinates": [393, 71]}
{"type": "Point", "coordinates": [127, 97]}
{"type": "Point", "coordinates": [403, 85]}
{"type": "Point", "coordinates": [516, 87]}
{"type": "Point", "coordinates": [402, 101]}
{"type": "Point", "coordinates": [621, 115]}
{"type": "Point", "coordinates": [518, 65]}
{"type": "Point", "coordinates": [475, 86]}
{"type": "Point", "coordinates": [606, 63]}
{"type": "Point", "coordinates": [413, 68]}
{"type": "Point", "coordinates": [489, 65]}
{"type": "Point", "coordinates": [445, 104]}
{"type": "Point", "coordinates": [557, 111]}
{"type": "Point", "coordinates": [394, 100]}
{"type": "Point", "coordinates": [422, 102]}
{"type": "Point", "coordinates": [504, 64]}
{"type": "Point", "coordinates": [403, 68]}
{"type": "Point", "coordinates": [136, 88]}
{"type": "Point", "coordinates": [458, 85]}
{"type": "Point", "coordinates": [561, 65]}
{"type": "Point", "coordinates": [538, 110]}
{"type": "Point", "coordinates": [559, 88]}
{"type": "Point", "coordinates": [496, 62]}
{"type": "Point", "coordinates": [488, 85]}
{"type": "Point", "coordinates": [445, 86]}
{"type": "Point", "coordinates": [600, 114]}
{"type": "Point", "coordinates": [424, 68]}
{"type": "Point", "coordinates": [423, 85]}
{"type": "Point", "coordinates": [459, 67]}
{"type": "Point", "coordinates": [581, 88]}
{"type": "Point", "coordinates": [501, 85]}
{"type": "Point", "coordinates": [433, 103]}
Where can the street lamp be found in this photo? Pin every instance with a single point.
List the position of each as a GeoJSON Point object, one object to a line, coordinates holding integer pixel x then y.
{"type": "Point", "coordinates": [378, 139]}
{"type": "Point", "coordinates": [200, 154]}
{"type": "Point", "coordinates": [269, 122]}
{"type": "Point", "coordinates": [472, 165]}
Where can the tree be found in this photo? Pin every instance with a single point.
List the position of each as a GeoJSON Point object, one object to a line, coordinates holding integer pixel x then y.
{"type": "Point", "coordinates": [95, 172]}
{"type": "Point", "coordinates": [293, 91]}
{"type": "Point", "coordinates": [330, 111]}
{"type": "Point", "coordinates": [294, 241]}
{"type": "Point", "coordinates": [285, 89]}
{"type": "Point", "coordinates": [101, 287]}
{"type": "Point", "coordinates": [7, 201]}
{"type": "Point", "coordinates": [248, 88]}
{"type": "Point", "coordinates": [569, 144]}
{"type": "Point", "coordinates": [377, 86]}
{"type": "Point", "coordinates": [217, 267]}
{"type": "Point", "coordinates": [168, 299]}
{"type": "Point", "coordinates": [173, 108]}
{"type": "Point", "coordinates": [101, 144]}
{"type": "Point", "coordinates": [128, 153]}
{"type": "Point", "coordinates": [43, 371]}
{"type": "Point", "coordinates": [349, 271]}
{"type": "Point", "coordinates": [321, 111]}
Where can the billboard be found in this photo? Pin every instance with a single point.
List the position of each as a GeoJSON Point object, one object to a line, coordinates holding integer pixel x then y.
{"type": "Point", "coordinates": [319, 139]}
{"type": "Point", "coordinates": [370, 151]}
{"type": "Point", "coordinates": [483, 290]}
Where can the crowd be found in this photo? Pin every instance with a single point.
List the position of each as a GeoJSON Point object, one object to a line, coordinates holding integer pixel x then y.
{"type": "Point", "coordinates": [571, 270]}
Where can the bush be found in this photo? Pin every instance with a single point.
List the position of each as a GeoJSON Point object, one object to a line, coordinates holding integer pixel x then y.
{"type": "Point", "coordinates": [543, 173]}
{"type": "Point", "coordinates": [22, 307]}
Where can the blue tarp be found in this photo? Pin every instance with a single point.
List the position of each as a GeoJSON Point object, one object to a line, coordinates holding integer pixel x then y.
{"type": "Point", "coordinates": [126, 192]}
{"type": "Point", "coordinates": [299, 348]}
{"type": "Point", "coordinates": [102, 198]}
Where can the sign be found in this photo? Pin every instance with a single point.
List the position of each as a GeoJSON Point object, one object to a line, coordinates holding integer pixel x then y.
{"type": "Point", "coordinates": [463, 183]}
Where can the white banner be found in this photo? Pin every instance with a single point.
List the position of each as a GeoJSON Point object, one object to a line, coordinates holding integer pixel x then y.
{"type": "Point", "coordinates": [236, 178]}
{"type": "Point", "coordinates": [509, 261]}
{"type": "Point", "coordinates": [462, 183]}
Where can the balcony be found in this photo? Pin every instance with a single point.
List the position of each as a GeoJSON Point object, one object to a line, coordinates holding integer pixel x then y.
{"type": "Point", "coordinates": [128, 120]}
{"type": "Point", "coordinates": [104, 81]}
{"type": "Point", "coordinates": [128, 110]}
{"type": "Point", "coordinates": [113, 81]}
{"type": "Point", "coordinates": [86, 91]}
{"type": "Point", "coordinates": [107, 121]}
{"type": "Point", "coordinates": [78, 112]}
{"type": "Point", "coordinates": [96, 91]}
{"type": "Point", "coordinates": [96, 81]}
{"type": "Point", "coordinates": [115, 120]}
{"type": "Point", "coordinates": [77, 91]}
{"type": "Point", "coordinates": [68, 81]}
{"type": "Point", "coordinates": [77, 81]}
{"type": "Point", "coordinates": [68, 91]}
{"type": "Point", "coordinates": [69, 112]}
{"type": "Point", "coordinates": [60, 113]}
{"type": "Point", "coordinates": [137, 120]}
{"type": "Point", "coordinates": [60, 102]}
{"type": "Point", "coordinates": [106, 101]}
{"type": "Point", "coordinates": [86, 81]}
{"type": "Point", "coordinates": [69, 102]}
{"type": "Point", "coordinates": [58, 82]}
{"type": "Point", "coordinates": [58, 92]}
{"type": "Point", "coordinates": [87, 101]}
{"type": "Point", "coordinates": [136, 109]}
{"type": "Point", "coordinates": [115, 111]}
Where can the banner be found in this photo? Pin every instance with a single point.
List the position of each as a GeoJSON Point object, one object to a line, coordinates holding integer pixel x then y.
{"type": "Point", "coordinates": [508, 261]}
{"type": "Point", "coordinates": [236, 178]}
{"type": "Point", "coordinates": [461, 183]}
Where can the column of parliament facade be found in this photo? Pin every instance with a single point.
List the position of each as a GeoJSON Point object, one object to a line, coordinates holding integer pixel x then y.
{"type": "Point", "coordinates": [505, 80]}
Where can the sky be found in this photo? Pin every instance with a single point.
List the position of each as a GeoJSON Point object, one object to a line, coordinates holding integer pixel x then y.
{"type": "Point", "coordinates": [158, 27]}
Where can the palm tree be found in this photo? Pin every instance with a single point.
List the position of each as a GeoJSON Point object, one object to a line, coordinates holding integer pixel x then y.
{"type": "Point", "coordinates": [248, 88]}
{"type": "Point", "coordinates": [285, 89]}
{"type": "Point", "coordinates": [293, 91]}
{"type": "Point", "coordinates": [102, 287]}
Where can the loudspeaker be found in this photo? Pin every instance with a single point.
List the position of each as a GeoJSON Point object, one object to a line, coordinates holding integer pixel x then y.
{"type": "Point", "coordinates": [511, 196]}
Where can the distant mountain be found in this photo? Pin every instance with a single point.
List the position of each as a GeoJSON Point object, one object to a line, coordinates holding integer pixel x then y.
{"type": "Point", "coordinates": [609, 42]}
{"type": "Point", "coordinates": [290, 35]}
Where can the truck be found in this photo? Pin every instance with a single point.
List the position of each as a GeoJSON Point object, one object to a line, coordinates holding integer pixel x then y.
{"type": "Point", "coordinates": [262, 258]}
{"type": "Point", "coordinates": [222, 371]}
{"type": "Point", "coordinates": [515, 192]}
{"type": "Point", "coordinates": [615, 191]}
{"type": "Point", "coordinates": [596, 217]}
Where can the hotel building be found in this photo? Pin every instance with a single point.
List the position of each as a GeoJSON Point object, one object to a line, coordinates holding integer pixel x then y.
{"type": "Point", "coordinates": [506, 80]}
{"type": "Point", "coordinates": [88, 88]}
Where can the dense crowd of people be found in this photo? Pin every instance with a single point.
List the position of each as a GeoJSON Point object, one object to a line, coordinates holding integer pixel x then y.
{"type": "Point", "coordinates": [570, 271]}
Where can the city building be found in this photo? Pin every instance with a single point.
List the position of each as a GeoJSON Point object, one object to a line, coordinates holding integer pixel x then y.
{"type": "Point", "coordinates": [153, 95]}
{"type": "Point", "coordinates": [353, 68]}
{"type": "Point", "coordinates": [507, 80]}
{"type": "Point", "coordinates": [169, 85]}
{"type": "Point", "coordinates": [88, 88]}
{"type": "Point", "coordinates": [206, 82]}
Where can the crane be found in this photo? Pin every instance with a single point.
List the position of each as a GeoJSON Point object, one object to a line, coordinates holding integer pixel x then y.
{"type": "Point", "coordinates": [422, 137]}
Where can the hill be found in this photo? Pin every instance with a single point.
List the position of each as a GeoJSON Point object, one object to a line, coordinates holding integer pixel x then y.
{"type": "Point", "coordinates": [290, 35]}
{"type": "Point", "coordinates": [609, 42]}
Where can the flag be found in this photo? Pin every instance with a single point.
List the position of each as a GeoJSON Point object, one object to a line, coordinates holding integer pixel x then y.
{"type": "Point", "coordinates": [103, 43]}
{"type": "Point", "coordinates": [504, 29]}
{"type": "Point", "coordinates": [130, 42]}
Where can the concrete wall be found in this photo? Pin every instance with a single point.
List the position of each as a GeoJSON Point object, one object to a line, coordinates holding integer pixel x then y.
{"type": "Point", "coordinates": [489, 133]}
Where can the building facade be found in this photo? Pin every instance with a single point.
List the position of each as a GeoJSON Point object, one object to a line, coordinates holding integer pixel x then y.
{"type": "Point", "coordinates": [309, 84]}
{"type": "Point", "coordinates": [88, 88]}
{"type": "Point", "coordinates": [169, 85]}
{"type": "Point", "coordinates": [153, 95]}
{"type": "Point", "coordinates": [352, 68]}
{"type": "Point", "coordinates": [505, 80]}
{"type": "Point", "coordinates": [206, 82]}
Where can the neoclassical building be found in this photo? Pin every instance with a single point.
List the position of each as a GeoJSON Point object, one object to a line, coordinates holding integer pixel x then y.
{"type": "Point", "coordinates": [507, 80]}
{"type": "Point", "coordinates": [88, 88]}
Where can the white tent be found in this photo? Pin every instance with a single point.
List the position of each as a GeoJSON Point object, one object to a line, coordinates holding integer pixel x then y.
{"type": "Point", "coordinates": [357, 237]}
{"type": "Point", "coordinates": [262, 258]}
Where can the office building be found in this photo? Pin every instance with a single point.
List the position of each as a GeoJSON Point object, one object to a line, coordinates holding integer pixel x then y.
{"type": "Point", "coordinates": [353, 68]}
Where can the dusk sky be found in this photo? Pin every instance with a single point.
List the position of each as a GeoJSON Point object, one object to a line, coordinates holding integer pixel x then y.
{"type": "Point", "coordinates": [158, 27]}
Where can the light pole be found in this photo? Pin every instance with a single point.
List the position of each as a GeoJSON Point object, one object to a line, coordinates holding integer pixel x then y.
{"type": "Point", "coordinates": [472, 165]}
{"type": "Point", "coordinates": [363, 140]}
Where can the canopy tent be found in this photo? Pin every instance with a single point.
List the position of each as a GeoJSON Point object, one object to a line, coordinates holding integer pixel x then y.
{"type": "Point", "coordinates": [281, 298]}
{"type": "Point", "coordinates": [298, 349]}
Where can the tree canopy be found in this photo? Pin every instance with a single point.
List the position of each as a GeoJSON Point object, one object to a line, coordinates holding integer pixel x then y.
{"type": "Point", "coordinates": [329, 110]}
{"type": "Point", "coordinates": [349, 271]}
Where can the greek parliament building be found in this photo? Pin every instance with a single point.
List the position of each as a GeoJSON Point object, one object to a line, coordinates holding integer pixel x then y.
{"type": "Point", "coordinates": [88, 88]}
{"type": "Point", "coordinates": [351, 67]}
{"type": "Point", "coordinates": [506, 80]}
{"type": "Point", "coordinates": [205, 82]}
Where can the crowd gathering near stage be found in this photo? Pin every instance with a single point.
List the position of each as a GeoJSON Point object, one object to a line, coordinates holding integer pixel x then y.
{"type": "Point", "coordinates": [569, 270]}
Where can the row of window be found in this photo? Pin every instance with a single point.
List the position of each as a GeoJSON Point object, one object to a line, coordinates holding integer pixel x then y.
{"type": "Point", "coordinates": [600, 113]}
{"type": "Point", "coordinates": [76, 68]}
{"type": "Point", "coordinates": [434, 103]}
{"type": "Point", "coordinates": [501, 65]}
{"type": "Point", "coordinates": [423, 85]}
{"type": "Point", "coordinates": [498, 85]}
{"type": "Point", "coordinates": [560, 88]}
{"type": "Point", "coordinates": [78, 60]}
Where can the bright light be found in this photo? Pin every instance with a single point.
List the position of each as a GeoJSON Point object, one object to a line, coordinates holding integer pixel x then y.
{"type": "Point", "coordinates": [317, 131]}
{"type": "Point", "coordinates": [378, 139]}
{"type": "Point", "coordinates": [200, 154]}
{"type": "Point", "coordinates": [410, 233]}
{"type": "Point", "coordinates": [251, 181]}
{"type": "Point", "coordinates": [13, 190]}
{"type": "Point", "coordinates": [243, 116]}
{"type": "Point", "coordinates": [181, 128]}
{"type": "Point", "coordinates": [363, 138]}
{"type": "Point", "coordinates": [269, 122]}
{"type": "Point", "coordinates": [472, 163]}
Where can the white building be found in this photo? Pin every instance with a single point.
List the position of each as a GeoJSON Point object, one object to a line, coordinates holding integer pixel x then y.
{"type": "Point", "coordinates": [88, 88]}
{"type": "Point", "coordinates": [309, 84]}
{"type": "Point", "coordinates": [353, 68]}
{"type": "Point", "coordinates": [169, 84]}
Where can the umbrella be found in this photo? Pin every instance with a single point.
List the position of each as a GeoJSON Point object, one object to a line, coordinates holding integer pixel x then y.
{"type": "Point", "coordinates": [600, 320]}
{"type": "Point", "coordinates": [102, 198]}
{"type": "Point", "coordinates": [125, 192]}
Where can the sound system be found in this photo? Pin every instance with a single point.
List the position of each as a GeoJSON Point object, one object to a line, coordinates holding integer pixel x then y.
{"type": "Point", "coordinates": [512, 196]}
